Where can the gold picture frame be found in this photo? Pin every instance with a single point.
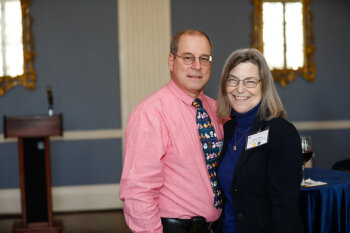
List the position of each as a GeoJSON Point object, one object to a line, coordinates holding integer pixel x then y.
{"type": "Point", "coordinates": [284, 76]}
{"type": "Point", "coordinates": [28, 78]}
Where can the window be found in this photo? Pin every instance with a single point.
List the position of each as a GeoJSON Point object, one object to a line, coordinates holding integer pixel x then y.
{"type": "Point", "coordinates": [282, 32]}
{"type": "Point", "coordinates": [11, 46]}
{"type": "Point", "coordinates": [16, 46]}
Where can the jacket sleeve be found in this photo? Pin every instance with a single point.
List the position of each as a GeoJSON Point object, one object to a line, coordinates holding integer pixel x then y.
{"type": "Point", "coordinates": [142, 177]}
{"type": "Point", "coordinates": [284, 177]}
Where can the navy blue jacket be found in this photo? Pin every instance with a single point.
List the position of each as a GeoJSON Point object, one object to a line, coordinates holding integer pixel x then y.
{"type": "Point", "coordinates": [266, 180]}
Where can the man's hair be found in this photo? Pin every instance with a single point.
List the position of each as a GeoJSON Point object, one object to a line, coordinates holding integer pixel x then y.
{"type": "Point", "coordinates": [271, 104]}
{"type": "Point", "coordinates": [174, 45]}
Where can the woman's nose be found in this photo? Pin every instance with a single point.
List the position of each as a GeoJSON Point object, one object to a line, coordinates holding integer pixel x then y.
{"type": "Point", "coordinates": [240, 87]}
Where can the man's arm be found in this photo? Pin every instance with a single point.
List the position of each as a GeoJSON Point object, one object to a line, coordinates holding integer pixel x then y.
{"type": "Point", "coordinates": [142, 177]}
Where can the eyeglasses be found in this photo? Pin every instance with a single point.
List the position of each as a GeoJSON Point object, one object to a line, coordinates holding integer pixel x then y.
{"type": "Point", "coordinates": [248, 82]}
{"type": "Point", "coordinates": [188, 59]}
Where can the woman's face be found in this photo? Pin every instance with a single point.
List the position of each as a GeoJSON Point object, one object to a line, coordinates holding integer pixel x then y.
{"type": "Point", "coordinates": [242, 98]}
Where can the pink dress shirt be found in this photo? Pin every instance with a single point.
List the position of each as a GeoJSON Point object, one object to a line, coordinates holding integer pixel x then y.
{"type": "Point", "coordinates": [164, 172]}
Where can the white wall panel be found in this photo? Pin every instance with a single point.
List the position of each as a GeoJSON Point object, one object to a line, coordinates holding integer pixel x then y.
{"type": "Point", "coordinates": [144, 40]}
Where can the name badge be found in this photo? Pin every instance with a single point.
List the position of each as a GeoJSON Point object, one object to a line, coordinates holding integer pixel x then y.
{"type": "Point", "coordinates": [257, 139]}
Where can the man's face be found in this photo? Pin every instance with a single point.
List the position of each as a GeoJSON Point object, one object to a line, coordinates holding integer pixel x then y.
{"type": "Point", "coordinates": [190, 78]}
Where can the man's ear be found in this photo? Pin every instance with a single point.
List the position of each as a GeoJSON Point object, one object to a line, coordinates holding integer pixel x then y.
{"type": "Point", "coordinates": [171, 62]}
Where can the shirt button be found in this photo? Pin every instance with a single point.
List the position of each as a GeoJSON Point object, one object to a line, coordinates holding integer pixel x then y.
{"type": "Point", "coordinates": [235, 191]}
{"type": "Point", "coordinates": [240, 216]}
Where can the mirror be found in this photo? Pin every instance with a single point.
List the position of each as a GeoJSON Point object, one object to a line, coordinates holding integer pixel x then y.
{"type": "Point", "coordinates": [282, 31]}
{"type": "Point", "coordinates": [16, 46]}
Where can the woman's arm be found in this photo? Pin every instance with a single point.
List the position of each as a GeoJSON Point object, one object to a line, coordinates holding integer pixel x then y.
{"type": "Point", "coordinates": [284, 176]}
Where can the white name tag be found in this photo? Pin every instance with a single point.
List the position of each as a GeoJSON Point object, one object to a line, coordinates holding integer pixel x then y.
{"type": "Point", "coordinates": [257, 139]}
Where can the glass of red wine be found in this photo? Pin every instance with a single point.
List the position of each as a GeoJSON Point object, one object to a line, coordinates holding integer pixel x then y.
{"type": "Point", "coordinates": [307, 151]}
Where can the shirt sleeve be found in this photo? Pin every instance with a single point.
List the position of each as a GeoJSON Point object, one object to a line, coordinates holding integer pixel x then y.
{"type": "Point", "coordinates": [142, 177]}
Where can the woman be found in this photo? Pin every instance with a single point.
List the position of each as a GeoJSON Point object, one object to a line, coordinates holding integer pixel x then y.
{"type": "Point", "coordinates": [260, 168]}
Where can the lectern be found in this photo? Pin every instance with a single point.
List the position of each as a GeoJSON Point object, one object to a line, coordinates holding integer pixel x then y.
{"type": "Point", "coordinates": [33, 134]}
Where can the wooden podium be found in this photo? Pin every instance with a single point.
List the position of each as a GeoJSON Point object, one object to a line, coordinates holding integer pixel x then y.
{"type": "Point", "coordinates": [33, 134]}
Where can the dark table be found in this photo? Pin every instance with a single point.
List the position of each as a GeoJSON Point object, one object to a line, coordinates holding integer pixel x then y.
{"type": "Point", "coordinates": [326, 208]}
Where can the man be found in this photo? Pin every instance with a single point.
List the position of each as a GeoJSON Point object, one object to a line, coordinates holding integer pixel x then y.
{"type": "Point", "coordinates": [165, 183]}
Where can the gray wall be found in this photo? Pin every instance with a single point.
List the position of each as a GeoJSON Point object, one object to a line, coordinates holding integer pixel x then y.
{"type": "Point", "coordinates": [327, 98]}
{"type": "Point", "coordinates": [76, 44]}
{"type": "Point", "coordinates": [76, 52]}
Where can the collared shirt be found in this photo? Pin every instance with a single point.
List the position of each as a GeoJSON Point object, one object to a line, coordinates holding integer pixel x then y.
{"type": "Point", "coordinates": [164, 172]}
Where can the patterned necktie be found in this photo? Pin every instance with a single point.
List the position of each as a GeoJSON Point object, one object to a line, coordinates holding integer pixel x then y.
{"type": "Point", "coordinates": [210, 146]}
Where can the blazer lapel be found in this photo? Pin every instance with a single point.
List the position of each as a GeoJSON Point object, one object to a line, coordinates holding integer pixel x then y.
{"type": "Point", "coordinates": [245, 153]}
{"type": "Point", "coordinates": [229, 127]}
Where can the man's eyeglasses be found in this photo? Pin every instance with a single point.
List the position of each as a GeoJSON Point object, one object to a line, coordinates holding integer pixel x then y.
{"type": "Point", "coordinates": [248, 82]}
{"type": "Point", "coordinates": [188, 59]}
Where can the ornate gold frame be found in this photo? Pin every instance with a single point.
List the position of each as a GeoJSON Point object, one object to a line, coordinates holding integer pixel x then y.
{"type": "Point", "coordinates": [284, 76]}
{"type": "Point", "coordinates": [28, 78]}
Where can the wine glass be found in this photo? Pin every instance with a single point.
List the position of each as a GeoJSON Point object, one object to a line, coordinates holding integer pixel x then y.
{"type": "Point", "coordinates": [307, 151]}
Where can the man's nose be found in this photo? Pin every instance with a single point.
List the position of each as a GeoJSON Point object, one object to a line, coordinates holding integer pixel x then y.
{"type": "Point", "coordinates": [196, 64]}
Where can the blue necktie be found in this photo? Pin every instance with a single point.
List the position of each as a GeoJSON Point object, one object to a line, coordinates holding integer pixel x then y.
{"type": "Point", "coordinates": [210, 146]}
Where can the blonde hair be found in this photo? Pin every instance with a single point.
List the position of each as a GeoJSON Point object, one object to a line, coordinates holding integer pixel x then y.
{"type": "Point", "coordinates": [271, 104]}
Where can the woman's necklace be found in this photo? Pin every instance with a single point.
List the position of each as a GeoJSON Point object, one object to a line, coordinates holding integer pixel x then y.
{"type": "Point", "coordinates": [236, 143]}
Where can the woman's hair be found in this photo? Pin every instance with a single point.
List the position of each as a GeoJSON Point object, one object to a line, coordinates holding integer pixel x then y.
{"type": "Point", "coordinates": [271, 104]}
